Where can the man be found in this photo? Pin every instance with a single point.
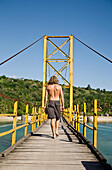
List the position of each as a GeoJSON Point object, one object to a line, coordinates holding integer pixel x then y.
{"type": "Point", "coordinates": [54, 91]}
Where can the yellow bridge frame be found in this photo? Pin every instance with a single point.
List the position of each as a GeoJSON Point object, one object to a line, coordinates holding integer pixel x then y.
{"type": "Point", "coordinates": [72, 116]}
{"type": "Point", "coordinates": [68, 59]}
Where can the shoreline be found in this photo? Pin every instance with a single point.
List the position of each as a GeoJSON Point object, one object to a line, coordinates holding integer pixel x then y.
{"type": "Point", "coordinates": [6, 119]}
{"type": "Point", "coordinates": [100, 119]}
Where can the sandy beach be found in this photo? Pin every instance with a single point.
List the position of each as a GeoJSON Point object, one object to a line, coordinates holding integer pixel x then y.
{"type": "Point", "coordinates": [100, 119]}
{"type": "Point", "coordinates": [105, 119]}
{"type": "Point", "coordinates": [6, 119]}
{"type": "Point", "coordinates": [10, 119]}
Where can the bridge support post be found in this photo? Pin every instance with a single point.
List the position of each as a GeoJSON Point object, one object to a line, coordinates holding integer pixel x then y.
{"type": "Point", "coordinates": [14, 123]}
{"type": "Point", "coordinates": [84, 121]}
{"type": "Point", "coordinates": [38, 119]}
{"type": "Point", "coordinates": [71, 76]}
{"type": "Point", "coordinates": [33, 119]}
{"type": "Point", "coordinates": [78, 125]}
{"type": "Point", "coordinates": [40, 116]}
{"type": "Point", "coordinates": [26, 120]}
{"type": "Point", "coordinates": [44, 69]}
{"type": "Point", "coordinates": [75, 117]}
{"type": "Point", "coordinates": [95, 124]}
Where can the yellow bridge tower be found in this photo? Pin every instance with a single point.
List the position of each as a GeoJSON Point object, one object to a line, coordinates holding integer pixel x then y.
{"type": "Point", "coordinates": [68, 59]}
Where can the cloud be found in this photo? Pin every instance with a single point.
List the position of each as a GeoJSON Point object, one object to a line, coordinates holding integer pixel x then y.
{"type": "Point", "coordinates": [12, 76]}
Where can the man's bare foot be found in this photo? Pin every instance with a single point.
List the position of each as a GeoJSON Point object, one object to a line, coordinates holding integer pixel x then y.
{"type": "Point", "coordinates": [53, 137]}
{"type": "Point", "coordinates": [57, 134]}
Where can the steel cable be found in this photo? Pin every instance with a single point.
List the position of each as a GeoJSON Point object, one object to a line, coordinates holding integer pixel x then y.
{"type": "Point", "coordinates": [93, 50]}
{"type": "Point", "coordinates": [21, 51]}
{"type": "Point", "coordinates": [15, 99]}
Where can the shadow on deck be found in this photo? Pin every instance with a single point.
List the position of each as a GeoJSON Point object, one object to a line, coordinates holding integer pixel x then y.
{"type": "Point", "coordinates": [40, 151]}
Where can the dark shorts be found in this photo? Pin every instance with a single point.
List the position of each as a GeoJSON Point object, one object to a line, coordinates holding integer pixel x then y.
{"type": "Point", "coordinates": [54, 109]}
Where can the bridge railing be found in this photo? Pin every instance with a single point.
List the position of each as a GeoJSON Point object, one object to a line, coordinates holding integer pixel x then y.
{"type": "Point", "coordinates": [75, 117]}
{"type": "Point", "coordinates": [37, 118]}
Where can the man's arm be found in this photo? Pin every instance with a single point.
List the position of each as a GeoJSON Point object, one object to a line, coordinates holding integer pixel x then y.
{"type": "Point", "coordinates": [62, 99]}
{"type": "Point", "coordinates": [45, 99]}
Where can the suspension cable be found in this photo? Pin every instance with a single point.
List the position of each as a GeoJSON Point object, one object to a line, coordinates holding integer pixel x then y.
{"type": "Point", "coordinates": [21, 51]}
{"type": "Point", "coordinates": [15, 99]}
{"type": "Point", "coordinates": [93, 50]}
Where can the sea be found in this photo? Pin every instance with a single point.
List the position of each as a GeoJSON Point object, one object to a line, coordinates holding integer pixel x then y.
{"type": "Point", "coordinates": [104, 139]}
{"type": "Point", "coordinates": [104, 136]}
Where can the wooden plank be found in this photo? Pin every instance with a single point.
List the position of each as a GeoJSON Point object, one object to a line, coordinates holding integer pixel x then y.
{"type": "Point", "coordinates": [11, 148]}
{"type": "Point", "coordinates": [41, 167]}
{"type": "Point", "coordinates": [51, 162]}
{"type": "Point", "coordinates": [94, 150]}
{"type": "Point", "coordinates": [42, 152]}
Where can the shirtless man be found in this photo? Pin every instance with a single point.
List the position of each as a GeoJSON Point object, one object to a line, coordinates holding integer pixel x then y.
{"type": "Point", "coordinates": [54, 91]}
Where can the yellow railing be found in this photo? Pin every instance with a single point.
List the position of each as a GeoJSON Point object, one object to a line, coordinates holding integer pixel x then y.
{"type": "Point", "coordinates": [37, 118]}
{"type": "Point", "coordinates": [75, 120]}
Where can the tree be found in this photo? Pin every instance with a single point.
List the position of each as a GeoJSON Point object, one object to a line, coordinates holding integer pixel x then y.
{"type": "Point", "coordinates": [88, 87]}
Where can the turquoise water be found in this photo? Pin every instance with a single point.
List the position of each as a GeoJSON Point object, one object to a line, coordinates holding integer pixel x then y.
{"type": "Point", "coordinates": [104, 143]}
{"type": "Point", "coordinates": [5, 141]}
{"type": "Point", "coordinates": [104, 138]}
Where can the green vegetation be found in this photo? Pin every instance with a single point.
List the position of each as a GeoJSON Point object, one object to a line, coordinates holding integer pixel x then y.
{"type": "Point", "coordinates": [31, 91]}
{"type": "Point", "coordinates": [25, 90]}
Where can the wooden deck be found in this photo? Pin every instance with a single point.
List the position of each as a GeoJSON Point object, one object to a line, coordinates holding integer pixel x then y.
{"type": "Point", "coordinates": [42, 152]}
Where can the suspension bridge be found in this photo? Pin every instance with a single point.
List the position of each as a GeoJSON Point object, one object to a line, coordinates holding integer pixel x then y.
{"type": "Point", "coordinates": [37, 149]}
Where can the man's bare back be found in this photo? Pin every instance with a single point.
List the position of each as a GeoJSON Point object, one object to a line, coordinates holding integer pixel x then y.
{"type": "Point", "coordinates": [54, 91]}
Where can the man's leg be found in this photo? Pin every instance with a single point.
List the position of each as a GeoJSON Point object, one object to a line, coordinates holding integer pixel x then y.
{"type": "Point", "coordinates": [53, 127]}
{"type": "Point", "coordinates": [57, 125]}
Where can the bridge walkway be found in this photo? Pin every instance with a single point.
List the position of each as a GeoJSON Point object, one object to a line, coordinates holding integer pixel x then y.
{"type": "Point", "coordinates": [42, 152]}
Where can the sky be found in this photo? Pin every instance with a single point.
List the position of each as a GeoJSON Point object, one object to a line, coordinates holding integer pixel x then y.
{"type": "Point", "coordinates": [24, 21]}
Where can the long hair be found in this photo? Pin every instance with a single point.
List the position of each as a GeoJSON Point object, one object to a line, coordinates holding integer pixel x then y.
{"type": "Point", "coordinates": [53, 80]}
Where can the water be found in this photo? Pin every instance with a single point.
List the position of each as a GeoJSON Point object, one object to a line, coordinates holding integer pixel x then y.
{"type": "Point", "coordinates": [104, 138]}
{"type": "Point", "coordinates": [104, 143]}
{"type": "Point", "coordinates": [6, 140]}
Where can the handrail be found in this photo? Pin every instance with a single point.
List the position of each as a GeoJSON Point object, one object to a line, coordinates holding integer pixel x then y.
{"type": "Point", "coordinates": [89, 127]}
{"type": "Point", "coordinates": [75, 120]}
{"type": "Point", "coordinates": [37, 118]}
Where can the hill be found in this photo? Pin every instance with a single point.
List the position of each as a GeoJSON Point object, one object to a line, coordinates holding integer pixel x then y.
{"type": "Point", "coordinates": [31, 91]}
